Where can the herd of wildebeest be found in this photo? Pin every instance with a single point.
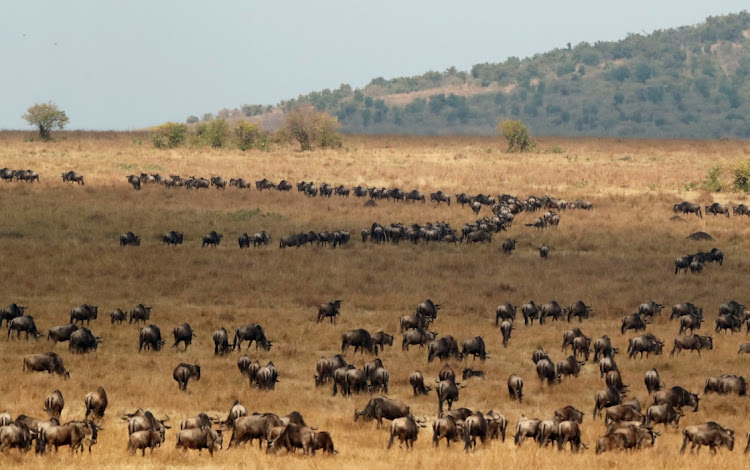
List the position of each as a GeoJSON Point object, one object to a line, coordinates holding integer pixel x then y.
{"type": "Point", "coordinates": [628, 424]}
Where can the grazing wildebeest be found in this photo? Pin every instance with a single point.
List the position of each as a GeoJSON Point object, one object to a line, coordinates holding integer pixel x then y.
{"type": "Point", "coordinates": [183, 372]}
{"type": "Point", "coordinates": [530, 312]}
{"type": "Point", "coordinates": [96, 403]}
{"type": "Point", "coordinates": [505, 312]}
{"type": "Point", "coordinates": [84, 312]}
{"type": "Point", "coordinates": [406, 429]}
{"type": "Point", "coordinates": [24, 324]}
{"type": "Point", "coordinates": [744, 348]}
{"type": "Point", "coordinates": [244, 241]}
{"type": "Point", "coordinates": [144, 440]}
{"type": "Point", "coordinates": [172, 238]}
{"type": "Point", "coordinates": [580, 310]}
{"type": "Point", "coordinates": [526, 428]}
{"type": "Point", "coordinates": [509, 245]}
{"type": "Point", "coordinates": [54, 404]}
{"type": "Point", "coordinates": [261, 238]}
{"type": "Point", "coordinates": [650, 309]}
{"type": "Point", "coordinates": [479, 236]}
{"type": "Point", "coordinates": [183, 334]}
{"type": "Point", "coordinates": [606, 398]}
{"type": "Point", "coordinates": [506, 329]}
{"type": "Point", "coordinates": [416, 380]}
{"type": "Point", "coordinates": [663, 414]}
{"type": "Point", "coordinates": [74, 434]}
{"type": "Point", "coordinates": [686, 308]}
{"type": "Point", "coordinates": [653, 381]}
{"type": "Point", "coordinates": [603, 347]}
{"type": "Point", "coordinates": [47, 362]}
{"type": "Point", "coordinates": [250, 333]}
{"type": "Point", "coordinates": [474, 347]}
{"type": "Point", "coordinates": [538, 355]}
{"type": "Point", "coordinates": [382, 339]}
{"type": "Point", "coordinates": [83, 341]}
{"type": "Point", "coordinates": [610, 442]}
{"type": "Point", "coordinates": [439, 197]}
{"type": "Point", "coordinates": [212, 239]}
{"type": "Point", "coordinates": [620, 413]}
{"type": "Point", "coordinates": [445, 428]}
{"type": "Point", "coordinates": [633, 322]}
{"type": "Point", "coordinates": [709, 434]}
{"type": "Point", "coordinates": [380, 408]}
{"type": "Point", "coordinates": [569, 366]}
{"type": "Point", "coordinates": [515, 388]}
{"type": "Point", "coordinates": [255, 426]}
{"type": "Point", "coordinates": [200, 421]}
{"type": "Point", "coordinates": [221, 342]}
{"type": "Point", "coordinates": [443, 348]}
{"type": "Point", "coordinates": [692, 342]}
{"type": "Point", "coordinates": [469, 373]}
{"type": "Point", "coordinates": [140, 313]}
{"type": "Point", "coordinates": [292, 437]}
{"type": "Point", "coordinates": [360, 339]}
{"type": "Point", "coordinates": [329, 310]}
{"type": "Point", "coordinates": [130, 239]}
{"type": "Point", "coordinates": [202, 438]}
{"type": "Point", "coordinates": [475, 426]}
{"type": "Point", "coordinates": [150, 338]}
{"type": "Point", "coordinates": [118, 316]}
{"type": "Point", "coordinates": [569, 413]}
{"type": "Point", "coordinates": [73, 177]}
{"type": "Point", "coordinates": [677, 397]}
{"type": "Point", "coordinates": [647, 343]}
{"type": "Point", "coordinates": [62, 333]}
{"type": "Point", "coordinates": [10, 312]}
{"type": "Point", "coordinates": [545, 370]}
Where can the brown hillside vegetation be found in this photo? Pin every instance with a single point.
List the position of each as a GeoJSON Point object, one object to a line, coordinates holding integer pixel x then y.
{"type": "Point", "coordinates": [59, 246]}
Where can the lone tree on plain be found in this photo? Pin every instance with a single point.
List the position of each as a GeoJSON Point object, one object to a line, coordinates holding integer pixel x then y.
{"type": "Point", "coordinates": [310, 128]}
{"type": "Point", "coordinates": [46, 116]}
{"type": "Point", "coordinates": [517, 134]}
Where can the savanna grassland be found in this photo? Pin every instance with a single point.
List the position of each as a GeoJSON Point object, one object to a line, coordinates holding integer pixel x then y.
{"type": "Point", "coordinates": [59, 246]}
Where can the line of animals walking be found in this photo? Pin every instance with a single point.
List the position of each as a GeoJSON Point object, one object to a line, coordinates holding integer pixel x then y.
{"type": "Point", "coordinates": [627, 425]}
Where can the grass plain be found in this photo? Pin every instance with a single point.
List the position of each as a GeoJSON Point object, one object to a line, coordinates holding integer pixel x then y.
{"type": "Point", "coordinates": [59, 246]}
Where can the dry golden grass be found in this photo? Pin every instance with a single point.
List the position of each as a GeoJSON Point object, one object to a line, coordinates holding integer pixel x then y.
{"type": "Point", "coordinates": [59, 247]}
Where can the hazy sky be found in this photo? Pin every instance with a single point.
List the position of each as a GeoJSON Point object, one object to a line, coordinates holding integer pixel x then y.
{"type": "Point", "coordinates": [130, 64]}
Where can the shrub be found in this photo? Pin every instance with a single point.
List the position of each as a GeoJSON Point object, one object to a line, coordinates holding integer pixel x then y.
{"type": "Point", "coordinates": [216, 133]}
{"type": "Point", "coordinates": [169, 135]}
{"type": "Point", "coordinates": [45, 117]}
{"type": "Point", "coordinates": [518, 136]}
{"type": "Point", "coordinates": [741, 172]}
{"type": "Point", "coordinates": [312, 128]}
{"type": "Point", "coordinates": [711, 182]}
{"type": "Point", "coordinates": [247, 135]}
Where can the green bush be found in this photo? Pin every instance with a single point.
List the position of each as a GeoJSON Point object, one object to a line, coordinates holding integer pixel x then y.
{"type": "Point", "coordinates": [312, 128]}
{"type": "Point", "coordinates": [518, 136]}
{"type": "Point", "coordinates": [711, 182]}
{"type": "Point", "coordinates": [248, 135]}
{"type": "Point", "coordinates": [741, 172]}
{"type": "Point", "coordinates": [217, 133]}
{"type": "Point", "coordinates": [169, 135]}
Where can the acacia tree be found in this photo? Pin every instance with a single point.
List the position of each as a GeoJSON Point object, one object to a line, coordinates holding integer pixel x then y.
{"type": "Point", "coordinates": [518, 136]}
{"type": "Point", "coordinates": [310, 128]}
{"type": "Point", "coordinates": [46, 116]}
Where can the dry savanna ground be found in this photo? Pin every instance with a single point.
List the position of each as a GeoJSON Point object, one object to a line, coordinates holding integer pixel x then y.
{"type": "Point", "coordinates": [59, 245]}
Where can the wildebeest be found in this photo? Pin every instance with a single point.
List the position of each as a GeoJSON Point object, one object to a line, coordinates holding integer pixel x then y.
{"type": "Point", "coordinates": [603, 347]}
{"type": "Point", "coordinates": [83, 313]}
{"type": "Point", "coordinates": [551, 309]}
{"type": "Point", "coordinates": [183, 372]}
{"type": "Point", "coordinates": [469, 373]}
{"type": "Point", "coordinates": [647, 343]}
{"type": "Point", "coordinates": [569, 366]}
{"type": "Point", "coordinates": [744, 348]}
{"type": "Point", "coordinates": [135, 181]}
{"type": "Point", "coordinates": [732, 307]}
{"type": "Point", "coordinates": [728, 322]}
{"type": "Point", "coordinates": [250, 333]}
{"type": "Point", "coordinates": [150, 338]}
{"type": "Point", "coordinates": [440, 197]}
{"type": "Point", "coordinates": [622, 412]}
{"type": "Point", "coordinates": [360, 339]}
{"type": "Point", "coordinates": [569, 413]}
{"type": "Point", "coordinates": [530, 312]}
{"type": "Point", "coordinates": [83, 341]}
{"type": "Point", "coordinates": [24, 324]}
{"type": "Point", "coordinates": [380, 408]}
{"type": "Point", "coordinates": [221, 342]}
{"type": "Point", "coordinates": [255, 426]}
{"type": "Point", "coordinates": [682, 263]}
{"type": "Point", "coordinates": [650, 309]}
{"type": "Point", "coordinates": [505, 311]}
{"type": "Point", "coordinates": [172, 238]}
{"type": "Point", "coordinates": [141, 420]}
{"type": "Point", "coordinates": [606, 398]}
{"type": "Point", "coordinates": [632, 322]}
{"type": "Point", "coordinates": [690, 322]}
{"type": "Point", "coordinates": [692, 342]}
{"type": "Point", "coordinates": [212, 239]}
{"type": "Point", "coordinates": [118, 316]}
{"type": "Point", "coordinates": [417, 336]}
{"type": "Point", "coordinates": [474, 347]}
{"type": "Point", "coordinates": [475, 426]}
{"type": "Point", "coordinates": [416, 380]}
{"type": "Point", "coordinates": [329, 310]}
{"type": "Point", "coordinates": [261, 238]}
{"type": "Point", "coordinates": [526, 428]}
{"type": "Point", "coordinates": [73, 177]}
{"type": "Point", "coordinates": [688, 208]}
{"type": "Point", "coordinates": [10, 312]}
{"type": "Point", "coordinates": [538, 355]}
{"type": "Point", "coordinates": [445, 428]}
{"type": "Point", "coordinates": [203, 438]}
{"type": "Point", "coordinates": [447, 392]}
{"type": "Point", "coordinates": [200, 421]}
{"type": "Point", "coordinates": [677, 397]}
{"type": "Point", "coordinates": [580, 310]}
{"type": "Point", "coordinates": [130, 239]}
{"type": "Point", "coordinates": [663, 414]}
{"type": "Point", "coordinates": [428, 309]}
{"type": "Point", "coordinates": [725, 384]}
{"type": "Point", "coordinates": [62, 333]}
{"type": "Point", "coordinates": [382, 339]}
{"type": "Point", "coordinates": [47, 362]}
{"type": "Point", "coordinates": [140, 313]}
{"type": "Point", "coordinates": [709, 434]}
{"type": "Point", "coordinates": [406, 429]}
{"type": "Point", "coordinates": [142, 440]}
{"type": "Point", "coordinates": [506, 329]}
{"type": "Point", "coordinates": [479, 236]}
{"type": "Point", "coordinates": [414, 320]}
{"type": "Point", "coordinates": [607, 364]}
{"type": "Point", "coordinates": [569, 336]}
{"type": "Point", "coordinates": [183, 334]}
{"type": "Point", "coordinates": [267, 377]}
{"type": "Point", "coordinates": [686, 308]}
{"type": "Point", "coordinates": [545, 370]}
{"type": "Point", "coordinates": [291, 437]}
{"type": "Point", "coordinates": [54, 404]}
{"type": "Point", "coordinates": [544, 251]}
{"type": "Point", "coordinates": [509, 245]}
{"type": "Point", "coordinates": [515, 388]}
{"type": "Point", "coordinates": [73, 434]}
{"type": "Point", "coordinates": [244, 240]}
{"type": "Point", "coordinates": [443, 348]}
{"type": "Point", "coordinates": [96, 403]}
{"type": "Point", "coordinates": [653, 381]}
{"type": "Point", "coordinates": [717, 208]}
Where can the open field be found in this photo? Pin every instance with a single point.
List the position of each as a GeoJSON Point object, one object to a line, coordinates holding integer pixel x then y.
{"type": "Point", "coordinates": [59, 246]}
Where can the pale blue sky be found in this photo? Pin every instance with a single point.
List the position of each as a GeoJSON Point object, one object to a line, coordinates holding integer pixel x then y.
{"type": "Point", "coordinates": [131, 64]}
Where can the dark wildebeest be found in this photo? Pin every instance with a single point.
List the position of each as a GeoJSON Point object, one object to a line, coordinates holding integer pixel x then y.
{"type": "Point", "coordinates": [709, 434]}
{"type": "Point", "coordinates": [130, 239]}
{"type": "Point", "coordinates": [530, 312]}
{"type": "Point", "coordinates": [552, 309]}
{"type": "Point", "coordinates": [255, 426]}
{"type": "Point", "coordinates": [446, 373]}
{"type": "Point", "coordinates": [360, 339]}
{"type": "Point", "coordinates": [261, 238]}
{"type": "Point", "coordinates": [663, 414]}
{"type": "Point", "coordinates": [509, 245]}
{"type": "Point", "coordinates": [607, 364]}
{"type": "Point", "coordinates": [292, 437]}
{"type": "Point", "coordinates": [74, 434]}
{"type": "Point", "coordinates": [221, 342]}
{"type": "Point", "coordinates": [329, 310]}
{"type": "Point", "coordinates": [244, 241]}
{"type": "Point", "coordinates": [479, 236]}
{"type": "Point", "coordinates": [475, 347]}
{"type": "Point", "coordinates": [569, 413]}
{"type": "Point", "coordinates": [744, 348]}
{"type": "Point", "coordinates": [144, 440]}
{"type": "Point", "coordinates": [647, 343]}
{"type": "Point", "coordinates": [212, 239]}
{"type": "Point", "coordinates": [692, 342]}
{"type": "Point", "coordinates": [135, 181]}
{"type": "Point", "coordinates": [538, 355]}
{"type": "Point", "coordinates": [506, 329]}
{"type": "Point", "coordinates": [235, 412]}
{"type": "Point", "coordinates": [497, 424]}
{"type": "Point", "coordinates": [728, 322]}
{"type": "Point", "coordinates": [54, 404]}
{"type": "Point", "coordinates": [145, 421]}
{"type": "Point", "coordinates": [545, 370]}
{"type": "Point", "coordinates": [688, 208]}
{"type": "Point", "coordinates": [653, 381]}
{"type": "Point", "coordinates": [267, 377]}
{"type": "Point", "coordinates": [606, 398]}
{"type": "Point", "coordinates": [443, 348]}
{"type": "Point", "coordinates": [414, 320]}
{"type": "Point", "coordinates": [140, 313]}
{"type": "Point", "coordinates": [447, 392]}
{"type": "Point", "coordinates": [172, 238]}
{"type": "Point", "coordinates": [324, 369]}
{"type": "Point", "coordinates": [569, 336]}
{"type": "Point", "coordinates": [84, 312]}
{"type": "Point", "coordinates": [24, 324]}
{"type": "Point", "coordinates": [732, 307]}
{"type": "Point", "coordinates": [439, 197]}
{"type": "Point", "coordinates": [380, 408]}
{"type": "Point", "coordinates": [614, 379]}
{"type": "Point", "coordinates": [202, 438]}
{"type": "Point", "coordinates": [603, 347]}
{"type": "Point", "coordinates": [183, 334]}
{"type": "Point", "coordinates": [686, 308]}
{"type": "Point", "coordinates": [183, 372]}
{"type": "Point", "coordinates": [725, 384]}
{"type": "Point", "coordinates": [150, 338]}
{"type": "Point", "coordinates": [677, 397]}
{"type": "Point", "coordinates": [544, 251]}
{"type": "Point", "coordinates": [416, 380]}
{"type": "Point", "coordinates": [96, 403]}
{"type": "Point", "coordinates": [505, 312]}
{"type": "Point", "coordinates": [118, 316]}
{"type": "Point", "coordinates": [515, 388]}
{"type": "Point", "coordinates": [569, 366]}
{"type": "Point", "coordinates": [83, 341]}
{"type": "Point", "coordinates": [682, 263]}
{"type": "Point", "coordinates": [252, 332]}
{"type": "Point", "coordinates": [382, 339]}
{"type": "Point", "coordinates": [445, 428]}
{"type": "Point", "coordinates": [47, 362]}
{"type": "Point", "coordinates": [650, 309]}
{"type": "Point", "coordinates": [526, 428]}
{"type": "Point", "coordinates": [417, 336]}
{"type": "Point", "coordinates": [10, 312]}
{"type": "Point", "coordinates": [690, 322]}
{"type": "Point", "coordinates": [580, 310]}
{"type": "Point", "coordinates": [73, 177]}
{"type": "Point", "coordinates": [475, 426]}
{"type": "Point", "coordinates": [200, 421]}
{"type": "Point", "coordinates": [406, 429]}
{"type": "Point", "coordinates": [428, 309]}
{"type": "Point", "coordinates": [62, 333]}
{"type": "Point", "coordinates": [469, 373]}
{"type": "Point", "coordinates": [717, 208]}
{"type": "Point", "coordinates": [633, 322]}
